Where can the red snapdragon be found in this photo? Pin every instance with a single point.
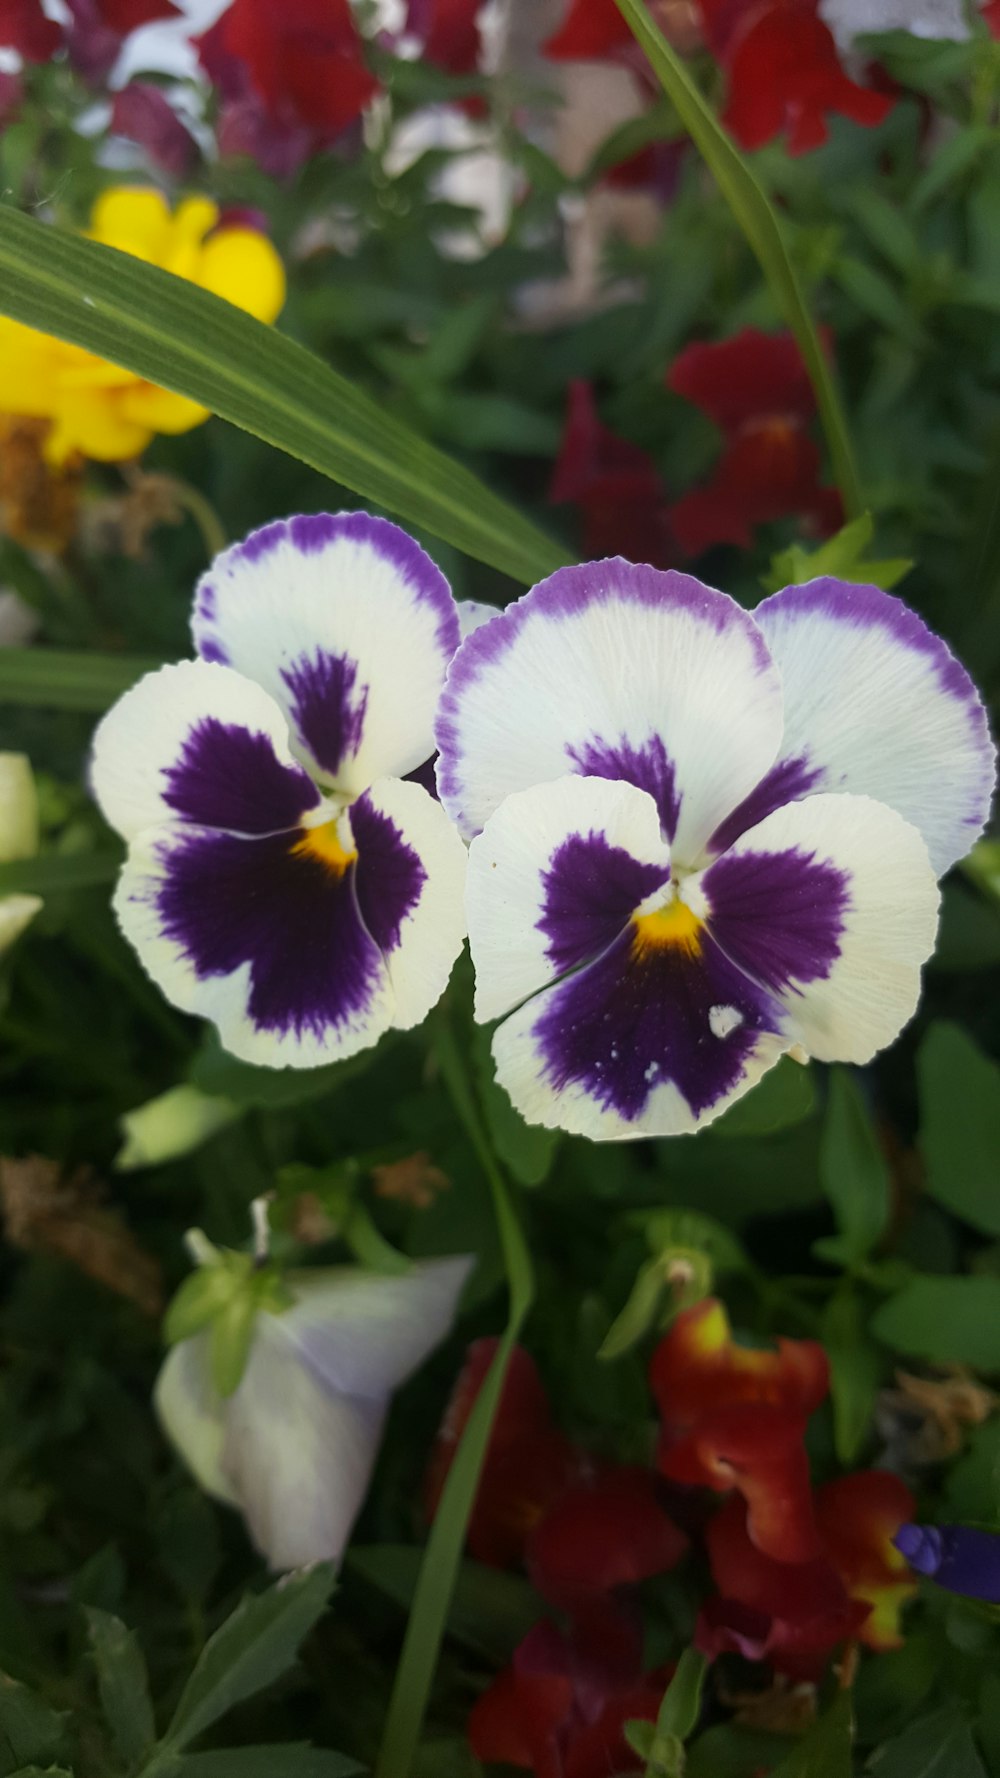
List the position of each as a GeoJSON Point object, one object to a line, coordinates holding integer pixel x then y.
{"type": "Point", "coordinates": [617, 487]}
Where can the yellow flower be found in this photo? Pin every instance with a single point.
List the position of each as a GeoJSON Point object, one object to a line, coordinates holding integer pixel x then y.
{"type": "Point", "coordinates": [94, 407]}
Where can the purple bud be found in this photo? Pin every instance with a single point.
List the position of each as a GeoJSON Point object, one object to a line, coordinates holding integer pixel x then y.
{"type": "Point", "coordinates": [958, 1557]}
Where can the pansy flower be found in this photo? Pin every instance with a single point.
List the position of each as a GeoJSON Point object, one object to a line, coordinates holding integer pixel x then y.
{"type": "Point", "coordinates": [703, 836]}
{"type": "Point", "coordinates": [560, 1709]}
{"type": "Point", "coordinates": [292, 1446]}
{"type": "Point", "coordinates": [735, 1417]}
{"type": "Point", "coordinates": [283, 879]}
{"type": "Point", "coordinates": [756, 389]}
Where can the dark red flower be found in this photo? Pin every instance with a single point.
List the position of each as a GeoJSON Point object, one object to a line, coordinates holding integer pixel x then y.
{"type": "Point", "coordinates": [858, 1517]}
{"type": "Point", "coordinates": [592, 31]}
{"type": "Point", "coordinates": [448, 32]}
{"type": "Point", "coordinates": [605, 1531]}
{"type": "Point", "coordinates": [791, 1614]}
{"type": "Point", "coordinates": [784, 74]}
{"type": "Point", "coordinates": [292, 76]}
{"type": "Point", "coordinates": [142, 112]}
{"type": "Point", "coordinates": [615, 484]}
{"type": "Point", "coordinates": [529, 1462]}
{"type": "Point", "coordinates": [735, 1418]}
{"type": "Point", "coordinates": [991, 15]}
{"type": "Point", "coordinates": [560, 1708]}
{"type": "Point", "coordinates": [756, 389]}
{"type": "Point", "coordinates": [24, 27]}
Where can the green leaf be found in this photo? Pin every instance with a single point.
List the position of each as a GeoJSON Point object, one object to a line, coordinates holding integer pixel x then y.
{"type": "Point", "coordinates": [528, 1150]}
{"type": "Point", "coordinates": [855, 1372]}
{"type": "Point", "coordinates": [826, 1751]}
{"type": "Point", "coordinates": [54, 873]}
{"type": "Point", "coordinates": [842, 555]}
{"type": "Point", "coordinates": [760, 225]}
{"type": "Point", "coordinates": [949, 1320]}
{"type": "Point", "coordinates": [490, 1611]}
{"type": "Point", "coordinates": [188, 340]}
{"type": "Point", "coordinates": [291, 1760]}
{"type": "Point", "coordinates": [960, 1125]}
{"type": "Point", "coordinates": [785, 1096]}
{"type": "Point", "coordinates": [681, 1706]}
{"type": "Point", "coordinates": [253, 1647]}
{"type": "Point", "coordinates": [443, 1552]}
{"type": "Point", "coordinates": [59, 679]}
{"type": "Point", "coordinates": [123, 1684]}
{"type": "Point", "coordinates": [853, 1171]}
{"type": "Point", "coordinates": [731, 1751]}
{"type": "Point", "coordinates": [223, 1076]}
{"type": "Point", "coordinates": [937, 1746]}
{"type": "Point", "coordinates": [42, 1772]}
{"type": "Point", "coordinates": [30, 1730]}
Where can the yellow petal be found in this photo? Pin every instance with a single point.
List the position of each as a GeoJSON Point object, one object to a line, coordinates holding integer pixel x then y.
{"type": "Point", "coordinates": [136, 221]}
{"type": "Point", "coordinates": [243, 266]}
{"type": "Point", "coordinates": [159, 410]}
{"type": "Point", "coordinates": [93, 422]}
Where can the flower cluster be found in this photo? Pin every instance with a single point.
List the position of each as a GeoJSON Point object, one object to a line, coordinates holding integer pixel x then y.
{"type": "Point", "coordinates": [699, 840]}
{"type": "Point", "coordinates": [797, 1572]}
{"type": "Point", "coordinates": [96, 409]}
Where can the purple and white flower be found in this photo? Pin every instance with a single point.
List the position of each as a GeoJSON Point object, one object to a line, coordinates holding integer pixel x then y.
{"type": "Point", "coordinates": [705, 839]}
{"type": "Point", "coordinates": [293, 1447]}
{"type": "Point", "coordinates": [284, 879]}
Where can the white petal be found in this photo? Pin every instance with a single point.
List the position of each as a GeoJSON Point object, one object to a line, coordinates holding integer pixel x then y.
{"type": "Point", "coordinates": [831, 904]}
{"type": "Point", "coordinates": [410, 884]}
{"type": "Point", "coordinates": [297, 1455]}
{"type": "Point", "coordinates": [192, 1414]}
{"type": "Point", "coordinates": [363, 1333]}
{"type": "Point", "coordinates": [553, 879]}
{"type": "Point", "coordinates": [349, 625]}
{"type": "Point", "coordinates": [202, 743]}
{"type": "Point", "coordinates": [876, 704]}
{"type": "Point", "coordinates": [473, 614]}
{"type": "Point", "coordinates": [617, 671]}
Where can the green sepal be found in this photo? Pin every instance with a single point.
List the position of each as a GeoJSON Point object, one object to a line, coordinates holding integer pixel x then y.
{"type": "Point", "coordinates": [204, 1295]}
{"type": "Point", "coordinates": [230, 1338]}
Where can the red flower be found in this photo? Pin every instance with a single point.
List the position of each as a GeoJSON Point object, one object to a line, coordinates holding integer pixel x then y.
{"type": "Point", "coordinates": [755, 387]}
{"type": "Point", "coordinates": [735, 1418]}
{"type": "Point", "coordinates": [791, 1614]}
{"type": "Point", "coordinates": [605, 1531]}
{"type": "Point", "coordinates": [142, 113]}
{"type": "Point", "coordinates": [24, 27]}
{"type": "Point", "coordinates": [784, 73]}
{"type": "Point", "coordinates": [93, 36]}
{"type": "Point", "coordinates": [991, 14]}
{"type": "Point", "coordinates": [858, 1516]}
{"type": "Point", "coordinates": [528, 1462]}
{"type": "Point", "coordinates": [560, 1708]}
{"type": "Point", "coordinates": [591, 31]}
{"type": "Point", "coordinates": [448, 32]}
{"type": "Point", "coordinates": [615, 484]}
{"type": "Point", "coordinates": [292, 76]}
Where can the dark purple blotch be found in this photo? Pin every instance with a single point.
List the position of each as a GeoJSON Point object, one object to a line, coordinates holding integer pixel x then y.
{"type": "Point", "coordinates": [786, 782]}
{"type": "Point", "coordinates": [639, 1018]}
{"type": "Point", "coordinates": [389, 876]}
{"type": "Point", "coordinates": [778, 915]}
{"type": "Point", "coordinates": [590, 891]}
{"type": "Point", "coordinates": [648, 767]}
{"type": "Point", "coordinates": [229, 777]}
{"type": "Point", "coordinates": [327, 706]}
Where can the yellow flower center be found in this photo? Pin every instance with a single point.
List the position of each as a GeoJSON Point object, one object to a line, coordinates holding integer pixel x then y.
{"type": "Point", "coordinates": [324, 844]}
{"type": "Point", "coordinates": [673, 925]}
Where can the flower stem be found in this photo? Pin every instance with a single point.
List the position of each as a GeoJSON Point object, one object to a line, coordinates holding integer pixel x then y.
{"type": "Point", "coordinates": [439, 1569]}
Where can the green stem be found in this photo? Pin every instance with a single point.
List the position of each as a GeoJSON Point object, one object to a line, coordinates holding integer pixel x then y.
{"type": "Point", "coordinates": [760, 225]}
{"type": "Point", "coordinates": [204, 515]}
{"type": "Point", "coordinates": [443, 1554]}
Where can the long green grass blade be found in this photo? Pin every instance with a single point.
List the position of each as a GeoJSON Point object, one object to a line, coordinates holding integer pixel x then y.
{"type": "Point", "coordinates": [187, 340]}
{"type": "Point", "coordinates": [443, 1554]}
{"type": "Point", "coordinates": [760, 225]}
{"type": "Point", "coordinates": [62, 679]}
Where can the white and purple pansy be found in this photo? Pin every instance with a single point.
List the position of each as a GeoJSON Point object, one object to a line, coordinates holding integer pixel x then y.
{"type": "Point", "coordinates": [700, 839]}
{"type": "Point", "coordinates": [286, 877]}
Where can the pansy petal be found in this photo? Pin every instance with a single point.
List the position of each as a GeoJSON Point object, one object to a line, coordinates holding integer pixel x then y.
{"type": "Point", "coordinates": [297, 1454]}
{"type": "Point", "coordinates": [616, 671]}
{"type": "Point", "coordinates": [363, 1333]}
{"type": "Point", "coordinates": [876, 704]}
{"type": "Point", "coordinates": [262, 936]}
{"type": "Point", "coordinates": [349, 625]}
{"type": "Point", "coordinates": [645, 1042]}
{"type": "Point", "coordinates": [203, 744]}
{"type": "Point", "coordinates": [473, 614]}
{"type": "Point", "coordinates": [410, 883]}
{"type": "Point", "coordinates": [192, 1413]}
{"type": "Point", "coordinates": [831, 905]}
{"type": "Point", "coordinates": [554, 879]}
